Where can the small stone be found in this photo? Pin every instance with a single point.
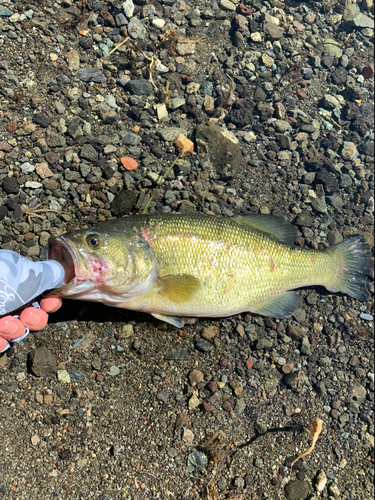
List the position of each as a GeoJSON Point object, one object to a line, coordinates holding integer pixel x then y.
{"type": "Point", "coordinates": [35, 440]}
{"type": "Point", "coordinates": [239, 407]}
{"type": "Point", "coordinates": [256, 37]}
{"type": "Point", "coordinates": [321, 481]}
{"type": "Point", "coordinates": [203, 345]}
{"type": "Point", "coordinates": [334, 237]}
{"type": "Point", "coordinates": [177, 354]}
{"type": "Point", "coordinates": [366, 317]}
{"type": "Point", "coordinates": [128, 8]}
{"type": "Point", "coordinates": [72, 59]}
{"type": "Point", "coordinates": [114, 371]}
{"type": "Point", "coordinates": [187, 436]}
{"type": "Point", "coordinates": [63, 376]}
{"type": "Point", "coordinates": [287, 367]}
{"type": "Point", "coordinates": [267, 60]}
{"type": "Point", "coordinates": [209, 332]}
{"type": "Point", "coordinates": [170, 134]}
{"type": "Point", "coordinates": [348, 151]}
{"type": "Point", "coordinates": [197, 459]}
{"type": "Point", "coordinates": [163, 395]}
{"type": "Point", "coordinates": [194, 402]}
{"type": "Point", "coordinates": [330, 102]}
{"type": "Point", "coordinates": [47, 399]}
{"type": "Point", "coordinates": [237, 388]}
{"type": "Point", "coordinates": [332, 47]}
{"type": "Point", "coordinates": [333, 490]}
{"type": "Point", "coordinates": [195, 377]}
{"type": "Point", "coordinates": [183, 145]}
{"type": "Point", "coordinates": [43, 362]}
{"type": "Point", "coordinates": [91, 75]}
{"type": "Point", "coordinates": [135, 28]}
{"type": "Point", "coordinates": [296, 490]}
{"type": "Point", "coordinates": [227, 5]}
{"type": "Point", "coordinates": [76, 375]}
{"type": "Point", "coordinates": [158, 23]}
{"type": "Point", "coordinates": [11, 185]}
{"type": "Point", "coordinates": [272, 31]}
{"type": "Point", "coordinates": [187, 206]}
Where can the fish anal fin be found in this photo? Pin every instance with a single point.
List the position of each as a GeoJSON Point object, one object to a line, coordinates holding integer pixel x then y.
{"type": "Point", "coordinates": [172, 320]}
{"type": "Point", "coordinates": [274, 226]}
{"type": "Point", "coordinates": [282, 306]}
{"type": "Point", "coordinates": [177, 288]}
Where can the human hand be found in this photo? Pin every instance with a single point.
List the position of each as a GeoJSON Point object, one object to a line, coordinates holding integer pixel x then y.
{"type": "Point", "coordinates": [32, 318]}
{"type": "Point", "coordinates": [21, 281]}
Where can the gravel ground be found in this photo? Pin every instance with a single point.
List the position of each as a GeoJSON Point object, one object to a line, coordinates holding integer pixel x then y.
{"type": "Point", "coordinates": [278, 101]}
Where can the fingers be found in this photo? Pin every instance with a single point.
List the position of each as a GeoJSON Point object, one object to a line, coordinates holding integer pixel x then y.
{"type": "Point", "coordinates": [34, 319]}
{"type": "Point", "coordinates": [51, 304]}
{"type": "Point", "coordinates": [11, 328]}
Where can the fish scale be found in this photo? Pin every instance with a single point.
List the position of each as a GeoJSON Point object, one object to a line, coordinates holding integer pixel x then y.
{"type": "Point", "coordinates": [232, 260]}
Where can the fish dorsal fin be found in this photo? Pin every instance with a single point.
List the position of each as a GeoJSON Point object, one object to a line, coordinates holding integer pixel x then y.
{"type": "Point", "coordinates": [282, 306]}
{"type": "Point", "coordinates": [177, 287]}
{"type": "Point", "coordinates": [275, 227]}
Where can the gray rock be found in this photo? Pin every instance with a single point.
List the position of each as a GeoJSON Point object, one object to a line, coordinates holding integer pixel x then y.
{"type": "Point", "coordinates": [197, 459]}
{"type": "Point", "coordinates": [239, 407]}
{"type": "Point", "coordinates": [121, 20]}
{"type": "Point", "coordinates": [88, 152]}
{"type": "Point", "coordinates": [170, 133]}
{"type": "Point", "coordinates": [357, 394]}
{"type": "Point", "coordinates": [163, 395]}
{"type": "Point", "coordinates": [128, 8]}
{"type": "Point", "coordinates": [366, 317]}
{"type": "Point", "coordinates": [304, 220]}
{"type": "Point", "coordinates": [334, 237]}
{"type": "Point", "coordinates": [76, 375]}
{"type": "Point", "coordinates": [56, 141]}
{"type": "Point", "coordinates": [177, 354]}
{"type": "Point", "coordinates": [345, 181]}
{"type": "Point", "coordinates": [281, 126]}
{"type": "Point", "coordinates": [139, 87]}
{"type": "Point", "coordinates": [296, 490]}
{"type": "Point", "coordinates": [91, 75]}
{"type": "Point", "coordinates": [335, 201]}
{"type": "Point", "coordinates": [114, 371]}
{"type": "Point", "coordinates": [349, 151]}
{"type": "Point", "coordinates": [203, 345]}
{"type": "Point", "coordinates": [332, 47]}
{"type": "Point", "coordinates": [43, 362]}
{"type": "Point", "coordinates": [4, 12]}
{"type": "Point", "coordinates": [124, 202]}
{"type": "Point", "coordinates": [361, 21]}
{"type": "Point", "coordinates": [130, 139]}
{"type": "Point", "coordinates": [218, 151]}
{"type": "Point", "coordinates": [272, 31]}
{"type": "Point", "coordinates": [135, 28]}
{"type": "Point", "coordinates": [187, 206]}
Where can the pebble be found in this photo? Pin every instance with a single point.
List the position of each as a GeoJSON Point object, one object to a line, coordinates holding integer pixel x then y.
{"type": "Point", "coordinates": [91, 75]}
{"type": "Point", "coordinates": [135, 28]}
{"type": "Point", "coordinates": [296, 490]}
{"type": "Point", "coordinates": [43, 362]}
{"type": "Point", "coordinates": [195, 377]}
{"type": "Point", "coordinates": [63, 376]}
{"type": "Point", "coordinates": [197, 459]}
{"type": "Point", "coordinates": [227, 5]}
{"type": "Point", "coordinates": [76, 375]}
{"type": "Point", "coordinates": [366, 317]}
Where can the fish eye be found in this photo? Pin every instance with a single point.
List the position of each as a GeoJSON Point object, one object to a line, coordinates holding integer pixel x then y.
{"type": "Point", "coordinates": [93, 241]}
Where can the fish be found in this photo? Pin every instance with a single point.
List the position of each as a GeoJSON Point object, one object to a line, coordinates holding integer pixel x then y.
{"type": "Point", "coordinates": [195, 265]}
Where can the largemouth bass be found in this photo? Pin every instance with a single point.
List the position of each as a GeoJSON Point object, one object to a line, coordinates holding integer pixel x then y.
{"type": "Point", "coordinates": [173, 265]}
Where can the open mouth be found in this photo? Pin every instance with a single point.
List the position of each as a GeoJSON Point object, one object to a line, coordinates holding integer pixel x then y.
{"type": "Point", "coordinates": [59, 250]}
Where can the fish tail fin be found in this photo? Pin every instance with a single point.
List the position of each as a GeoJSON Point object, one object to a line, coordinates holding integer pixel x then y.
{"type": "Point", "coordinates": [353, 261]}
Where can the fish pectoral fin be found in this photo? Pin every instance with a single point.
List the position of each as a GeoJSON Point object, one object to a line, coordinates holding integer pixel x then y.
{"type": "Point", "coordinates": [172, 320]}
{"type": "Point", "coordinates": [274, 226]}
{"type": "Point", "coordinates": [177, 287]}
{"type": "Point", "coordinates": [280, 307]}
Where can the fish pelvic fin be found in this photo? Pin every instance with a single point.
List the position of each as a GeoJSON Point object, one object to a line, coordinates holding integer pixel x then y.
{"type": "Point", "coordinates": [177, 288]}
{"type": "Point", "coordinates": [282, 306]}
{"type": "Point", "coordinates": [354, 264]}
{"type": "Point", "coordinates": [172, 320]}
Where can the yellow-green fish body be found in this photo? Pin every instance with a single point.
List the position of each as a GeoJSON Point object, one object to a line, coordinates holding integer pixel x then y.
{"type": "Point", "coordinates": [195, 265]}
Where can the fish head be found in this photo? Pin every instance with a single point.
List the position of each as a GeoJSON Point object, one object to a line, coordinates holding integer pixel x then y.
{"type": "Point", "coordinates": [104, 259]}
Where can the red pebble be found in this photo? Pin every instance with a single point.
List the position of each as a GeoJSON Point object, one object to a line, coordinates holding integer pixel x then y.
{"type": "Point", "coordinates": [186, 79]}
{"type": "Point", "coordinates": [301, 94]}
{"type": "Point", "coordinates": [242, 9]}
{"type": "Point", "coordinates": [367, 72]}
{"type": "Point", "coordinates": [11, 127]}
{"type": "Point", "coordinates": [249, 364]}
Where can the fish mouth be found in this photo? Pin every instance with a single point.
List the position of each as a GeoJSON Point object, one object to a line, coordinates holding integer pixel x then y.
{"type": "Point", "coordinates": [64, 254]}
{"type": "Point", "coordinates": [75, 265]}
